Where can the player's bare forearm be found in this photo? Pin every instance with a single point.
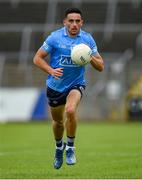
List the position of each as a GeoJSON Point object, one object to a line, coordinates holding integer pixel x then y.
{"type": "Point", "coordinates": [40, 62]}
{"type": "Point", "coordinates": [97, 62]}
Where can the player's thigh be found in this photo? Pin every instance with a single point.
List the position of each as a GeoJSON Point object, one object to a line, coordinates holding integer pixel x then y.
{"type": "Point", "coordinates": [57, 113]}
{"type": "Point", "coordinates": [73, 98]}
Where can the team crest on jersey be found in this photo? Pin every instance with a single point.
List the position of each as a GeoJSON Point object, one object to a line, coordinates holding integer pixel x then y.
{"type": "Point", "coordinates": [67, 61]}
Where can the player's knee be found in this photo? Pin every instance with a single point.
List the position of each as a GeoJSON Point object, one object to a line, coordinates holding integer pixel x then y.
{"type": "Point", "coordinates": [70, 110]}
{"type": "Point", "coordinates": [58, 122]}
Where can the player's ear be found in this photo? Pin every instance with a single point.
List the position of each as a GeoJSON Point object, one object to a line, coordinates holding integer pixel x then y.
{"type": "Point", "coordinates": [82, 22]}
{"type": "Point", "coordinates": [64, 22]}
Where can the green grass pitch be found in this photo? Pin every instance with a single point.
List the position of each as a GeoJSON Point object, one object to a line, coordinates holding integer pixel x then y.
{"type": "Point", "coordinates": [103, 151]}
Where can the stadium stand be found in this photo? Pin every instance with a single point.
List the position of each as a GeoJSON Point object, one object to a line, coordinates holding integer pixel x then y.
{"type": "Point", "coordinates": [134, 100]}
{"type": "Point", "coordinates": [22, 12]}
{"type": "Point", "coordinates": [116, 25]}
{"type": "Point", "coordinates": [129, 12]}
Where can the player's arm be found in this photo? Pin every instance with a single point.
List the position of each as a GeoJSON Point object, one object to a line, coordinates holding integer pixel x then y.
{"type": "Point", "coordinates": [39, 61]}
{"type": "Point", "coordinates": [97, 62]}
{"type": "Point", "coordinates": [96, 59]}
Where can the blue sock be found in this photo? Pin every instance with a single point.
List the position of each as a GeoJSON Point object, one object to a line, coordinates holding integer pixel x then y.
{"type": "Point", "coordinates": [59, 143]}
{"type": "Point", "coordinates": [70, 141]}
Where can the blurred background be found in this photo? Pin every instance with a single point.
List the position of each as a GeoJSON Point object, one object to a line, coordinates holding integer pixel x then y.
{"type": "Point", "coordinates": [112, 95]}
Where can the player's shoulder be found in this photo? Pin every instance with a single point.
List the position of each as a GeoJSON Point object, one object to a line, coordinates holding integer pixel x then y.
{"type": "Point", "coordinates": [57, 32]}
{"type": "Point", "coordinates": [86, 35]}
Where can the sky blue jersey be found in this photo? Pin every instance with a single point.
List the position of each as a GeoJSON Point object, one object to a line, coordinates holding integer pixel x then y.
{"type": "Point", "coordinates": [58, 44]}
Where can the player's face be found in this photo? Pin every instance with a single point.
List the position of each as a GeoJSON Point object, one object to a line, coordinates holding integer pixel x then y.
{"type": "Point", "coordinates": [73, 22]}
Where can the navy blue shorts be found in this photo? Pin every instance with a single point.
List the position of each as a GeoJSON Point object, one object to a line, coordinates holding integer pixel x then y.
{"type": "Point", "coordinates": [56, 98]}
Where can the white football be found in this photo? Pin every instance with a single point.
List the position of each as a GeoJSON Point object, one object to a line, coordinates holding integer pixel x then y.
{"type": "Point", "coordinates": [81, 54]}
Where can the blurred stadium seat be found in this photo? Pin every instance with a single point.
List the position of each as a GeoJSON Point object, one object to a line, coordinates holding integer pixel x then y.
{"type": "Point", "coordinates": [134, 100]}
{"type": "Point", "coordinates": [116, 26]}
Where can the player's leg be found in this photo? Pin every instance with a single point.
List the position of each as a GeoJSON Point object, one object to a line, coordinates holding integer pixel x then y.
{"type": "Point", "coordinates": [58, 121]}
{"type": "Point", "coordinates": [58, 130]}
{"type": "Point", "coordinates": [72, 102]}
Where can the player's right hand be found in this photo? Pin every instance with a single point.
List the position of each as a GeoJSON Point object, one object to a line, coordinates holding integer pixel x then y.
{"type": "Point", "coordinates": [57, 73]}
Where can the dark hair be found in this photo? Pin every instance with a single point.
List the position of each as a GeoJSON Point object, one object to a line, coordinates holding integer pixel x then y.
{"type": "Point", "coordinates": [72, 10]}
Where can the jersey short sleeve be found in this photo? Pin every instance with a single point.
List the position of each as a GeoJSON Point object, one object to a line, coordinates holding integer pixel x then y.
{"type": "Point", "coordinates": [48, 44]}
{"type": "Point", "coordinates": [93, 46]}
